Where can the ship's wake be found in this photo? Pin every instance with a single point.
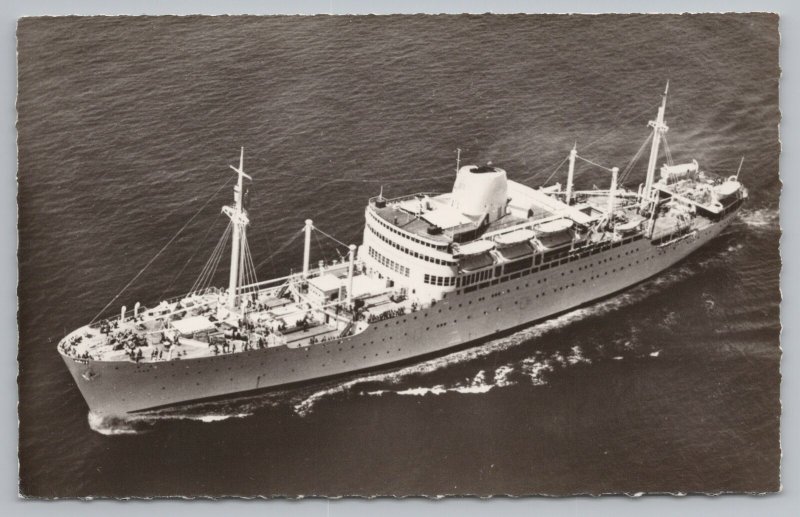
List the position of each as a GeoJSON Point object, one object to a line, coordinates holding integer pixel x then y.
{"type": "Point", "coordinates": [118, 425]}
{"type": "Point", "coordinates": [144, 422]}
{"type": "Point", "coordinates": [532, 370]}
{"type": "Point", "coordinates": [760, 218]}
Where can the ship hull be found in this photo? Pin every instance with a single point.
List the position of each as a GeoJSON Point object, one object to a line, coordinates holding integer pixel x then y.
{"type": "Point", "coordinates": [122, 387]}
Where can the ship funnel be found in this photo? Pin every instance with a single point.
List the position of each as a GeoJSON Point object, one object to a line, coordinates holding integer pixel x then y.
{"type": "Point", "coordinates": [480, 191]}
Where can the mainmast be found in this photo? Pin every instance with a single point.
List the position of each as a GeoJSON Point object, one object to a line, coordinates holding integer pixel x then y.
{"type": "Point", "coordinates": [240, 221]}
{"type": "Point", "coordinates": [659, 128]}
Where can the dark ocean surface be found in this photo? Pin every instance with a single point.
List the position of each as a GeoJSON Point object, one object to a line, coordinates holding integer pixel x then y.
{"type": "Point", "coordinates": [127, 126]}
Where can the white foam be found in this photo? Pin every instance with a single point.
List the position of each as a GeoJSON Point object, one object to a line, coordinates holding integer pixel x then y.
{"type": "Point", "coordinates": [472, 389]}
{"type": "Point", "coordinates": [217, 418]}
{"type": "Point", "coordinates": [655, 354]}
{"type": "Point", "coordinates": [476, 385]}
{"type": "Point", "coordinates": [536, 370]}
{"type": "Point", "coordinates": [114, 426]}
{"type": "Point", "coordinates": [501, 374]}
{"type": "Point", "coordinates": [576, 356]}
{"type": "Point", "coordinates": [304, 407]}
{"type": "Point", "coordinates": [377, 393]}
{"type": "Point", "coordinates": [436, 390]}
{"type": "Point", "coordinates": [762, 217]}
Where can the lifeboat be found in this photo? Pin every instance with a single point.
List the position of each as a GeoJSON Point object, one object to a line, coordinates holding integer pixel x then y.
{"type": "Point", "coordinates": [629, 227]}
{"type": "Point", "coordinates": [473, 248]}
{"type": "Point", "coordinates": [683, 171]}
{"type": "Point", "coordinates": [728, 188]}
{"type": "Point", "coordinates": [553, 234]}
{"type": "Point", "coordinates": [517, 236]}
{"type": "Point", "coordinates": [554, 227]}
{"type": "Point", "coordinates": [475, 255]}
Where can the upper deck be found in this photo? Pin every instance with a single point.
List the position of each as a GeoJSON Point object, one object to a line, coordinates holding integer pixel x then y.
{"type": "Point", "coordinates": [393, 213]}
{"type": "Point", "coordinates": [433, 220]}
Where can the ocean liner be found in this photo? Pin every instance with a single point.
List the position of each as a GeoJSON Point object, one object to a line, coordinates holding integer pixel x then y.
{"type": "Point", "coordinates": [434, 271]}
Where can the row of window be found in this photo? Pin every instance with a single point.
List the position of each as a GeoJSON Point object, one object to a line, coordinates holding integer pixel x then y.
{"type": "Point", "coordinates": [408, 236]}
{"type": "Point", "coordinates": [496, 281]}
{"type": "Point", "coordinates": [408, 251]}
{"type": "Point", "coordinates": [671, 236]}
{"type": "Point", "coordinates": [391, 264]}
{"type": "Point", "coordinates": [440, 280]}
{"type": "Point", "coordinates": [473, 278]}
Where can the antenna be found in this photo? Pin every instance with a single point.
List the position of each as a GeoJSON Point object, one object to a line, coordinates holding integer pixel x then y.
{"type": "Point", "coordinates": [458, 159]}
{"type": "Point", "coordinates": [740, 168]}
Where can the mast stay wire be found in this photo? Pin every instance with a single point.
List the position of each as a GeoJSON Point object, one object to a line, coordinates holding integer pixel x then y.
{"type": "Point", "coordinates": [253, 277]}
{"type": "Point", "coordinates": [136, 277]}
{"type": "Point", "coordinates": [211, 260]}
{"type": "Point", "coordinates": [282, 247]}
{"type": "Point", "coordinates": [249, 276]}
{"type": "Point", "coordinates": [667, 150]}
{"type": "Point", "coordinates": [593, 142]}
{"type": "Point", "coordinates": [211, 276]}
{"type": "Point", "coordinates": [242, 271]}
{"type": "Point", "coordinates": [196, 250]}
{"type": "Point", "coordinates": [590, 162]}
{"type": "Point", "coordinates": [609, 132]}
{"type": "Point", "coordinates": [319, 247]}
{"type": "Point", "coordinates": [206, 275]}
{"type": "Point", "coordinates": [334, 239]}
{"type": "Point", "coordinates": [556, 170]}
{"type": "Point", "coordinates": [629, 167]}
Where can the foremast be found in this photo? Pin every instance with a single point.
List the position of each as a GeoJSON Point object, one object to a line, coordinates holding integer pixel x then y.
{"type": "Point", "coordinates": [239, 222]}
